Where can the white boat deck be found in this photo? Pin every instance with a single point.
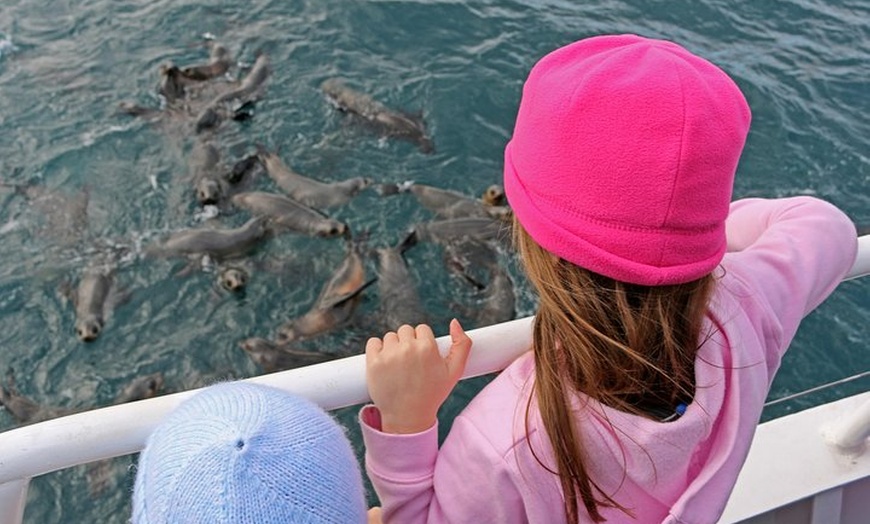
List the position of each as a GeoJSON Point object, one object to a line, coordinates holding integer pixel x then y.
{"type": "Point", "coordinates": [809, 467]}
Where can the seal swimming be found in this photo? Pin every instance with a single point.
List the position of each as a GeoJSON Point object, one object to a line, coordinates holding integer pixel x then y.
{"type": "Point", "coordinates": [205, 103]}
{"type": "Point", "coordinates": [386, 121]}
{"type": "Point", "coordinates": [172, 85]}
{"type": "Point", "coordinates": [246, 92]}
{"type": "Point", "coordinates": [233, 278]}
{"type": "Point", "coordinates": [273, 356]}
{"type": "Point", "coordinates": [336, 302]}
{"type": "Point", "coordinates": [220, 61]}
{"type": "Point", "coordinates": [310, 192]}
{"type": "Point", "coordinates": [53, 213]}
{"type": "Point", "coordinates": [219, 244]}
{"type": "Point", "coordinates": [494, 195]}
{"type": "Point", "coordinates": [400, 300]}
{"type": "Point", "coordinates": [140, 388]}
{"type": "Point", "coordinates": [174, 81]}
{"type": "Point", "coordinates": [27, 411]}
{"type": "Point", "coordinates": [450, 204]}
{"type": "Point", "coordinates": [498, 299]}
{"type": "Point", "coordinates": [213, 182]}
{"type": "Point", "coordinates": [24, 410]}
{"type": "Point", "coordinates": [456, 229]}
{"type": "Point", "coordinates": [90, 299]}
{"type": "Point", "coordinates": [284, 213]}
{"type": "Point", "coordinates": [207, 183]}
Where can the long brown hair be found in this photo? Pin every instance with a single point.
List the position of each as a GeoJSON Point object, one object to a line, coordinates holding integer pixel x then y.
{"type": "Point", "coordinates": [627, 346]}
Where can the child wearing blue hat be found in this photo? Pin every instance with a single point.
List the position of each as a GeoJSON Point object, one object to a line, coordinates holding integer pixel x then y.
{"type": "Point", "coordinates": [246, 453]}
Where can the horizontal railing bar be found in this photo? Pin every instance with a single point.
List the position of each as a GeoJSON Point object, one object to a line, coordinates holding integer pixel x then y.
{"type": "Point", "coordinates": [122, 429]}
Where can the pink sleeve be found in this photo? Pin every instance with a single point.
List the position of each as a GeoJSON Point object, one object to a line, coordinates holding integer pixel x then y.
{"type": "Point", "coordinates": [794, 251]}
{"type": "Point", "coordinates": [417, 483]}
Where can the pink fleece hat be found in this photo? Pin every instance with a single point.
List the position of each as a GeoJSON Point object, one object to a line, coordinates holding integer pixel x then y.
{"type": "Point", "coordinates": [623, 158]}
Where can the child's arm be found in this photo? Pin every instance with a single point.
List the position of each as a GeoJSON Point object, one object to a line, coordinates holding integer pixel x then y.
{"type": "Point", "coordinates": [794, 251]}
{"type": "Point", "coordinates": [467, 482]}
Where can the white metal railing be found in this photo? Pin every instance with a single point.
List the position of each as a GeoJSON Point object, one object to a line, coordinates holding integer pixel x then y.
{"type": "Point", "coordinates": [119, 430]}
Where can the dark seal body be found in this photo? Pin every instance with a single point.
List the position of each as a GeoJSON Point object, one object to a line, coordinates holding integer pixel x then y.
{"type": "Point", "coordinates": [336, 302]}
{"type": "Point", "coordinates": [449, 204]}
{"type": "Point", "coordinates": [217, 243]}
{"type": "Point", "coordinates": [400, 300]}
{"type": "Point", "coordinates": [498, 300]}
{"type": "Point", "coordinates": [247, 92]}
{"type": "Point", "coordinates": [272, 356]}
{"type": "Point", "coordinates": [23, 409]}
{"type": "Point", "coordinates": [287, 214]}
{"type": "Point", "coordinates": [140, 388]}
{"type": "Point", "coordinates": [310, 192]}
{"type": "Point", "coordinates": [90, 299]}
{"type": "Point", "coordinates": [388, 122]}
{"type": "Point", "coordinates": [220, 61]}
{"type": "Point", "coordinates": [208, 183]}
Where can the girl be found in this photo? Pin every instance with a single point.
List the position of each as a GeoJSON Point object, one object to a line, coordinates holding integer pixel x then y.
{"type": "Point", "coordinates": [664, 309]}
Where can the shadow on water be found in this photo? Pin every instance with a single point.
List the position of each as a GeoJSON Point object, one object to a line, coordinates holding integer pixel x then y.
{"type": "Point", "coordinates": [458, 64]}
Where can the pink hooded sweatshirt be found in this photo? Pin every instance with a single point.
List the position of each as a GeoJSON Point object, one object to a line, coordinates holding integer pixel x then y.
{"type": "Point", "coordinates": [785, 256]}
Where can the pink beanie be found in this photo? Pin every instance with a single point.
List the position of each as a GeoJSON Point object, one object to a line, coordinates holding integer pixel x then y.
{"type": "Point", "coordinates": [623, 158]}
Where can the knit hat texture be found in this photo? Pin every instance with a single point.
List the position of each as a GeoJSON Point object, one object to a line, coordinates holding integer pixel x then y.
{"type": "Point", "coordinates": [623, 157]}
{"type": "Point", "coordinates": [246, 453]}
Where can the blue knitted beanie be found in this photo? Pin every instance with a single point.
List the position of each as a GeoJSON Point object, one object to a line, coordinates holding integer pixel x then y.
{"type": "Point", "coordinates": [246, 453]}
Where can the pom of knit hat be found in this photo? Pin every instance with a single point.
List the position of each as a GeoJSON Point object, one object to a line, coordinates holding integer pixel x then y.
{"type": "Point", "coordinates": [247, 453]}
{"type": "Point", "coordinates": [623, 158]}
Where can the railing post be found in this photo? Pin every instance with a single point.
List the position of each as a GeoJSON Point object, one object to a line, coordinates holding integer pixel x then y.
{"type": "Point", "coordinates": [13, 497]}
{"type": "Point", "coordinates": [849, 434]}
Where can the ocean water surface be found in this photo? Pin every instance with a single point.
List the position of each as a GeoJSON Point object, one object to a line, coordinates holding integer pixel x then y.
{"type": "Point", "coordinates": [102, 185]}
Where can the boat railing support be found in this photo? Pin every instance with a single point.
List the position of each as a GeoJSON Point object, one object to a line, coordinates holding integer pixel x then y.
{"type": "Point", "coordinates": [849, 434]}
{"type": "Point", "coordinates": [119, 430]}
{"type": "Point", "coordinates": [13, 497]}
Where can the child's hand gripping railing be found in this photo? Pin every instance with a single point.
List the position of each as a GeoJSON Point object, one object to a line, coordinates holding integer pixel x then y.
{"type": "Point", "coordinates": [119, 430]}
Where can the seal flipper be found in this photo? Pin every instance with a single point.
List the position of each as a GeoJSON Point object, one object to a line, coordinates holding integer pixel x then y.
{"type": "Point", "coordinates": [20, 407]}
{"type": "Point", "coordinates": [242, 168]}
{"type": "Point", "coordinates": [189, 268]}
{"type": "Point", "coordinates": [460, 269]}
{"type": "Point", "coordinates": [119, 297]}
{"type": "Point", "coordinates": [244, 112]}
{"type": "Point", "coordinates": [66, 290]}
{"type": "Point", "coordinates": [207, 120]}
{"type": "Point", "coordinates": [341, 299]}
{"type": "Point", "coordinates": [408, 242]}
{"type": "Point", "coordinates": [426, 145]}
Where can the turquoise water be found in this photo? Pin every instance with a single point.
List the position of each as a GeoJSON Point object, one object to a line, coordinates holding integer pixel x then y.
{"type": "Point", "coordinates": [64, 67]}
